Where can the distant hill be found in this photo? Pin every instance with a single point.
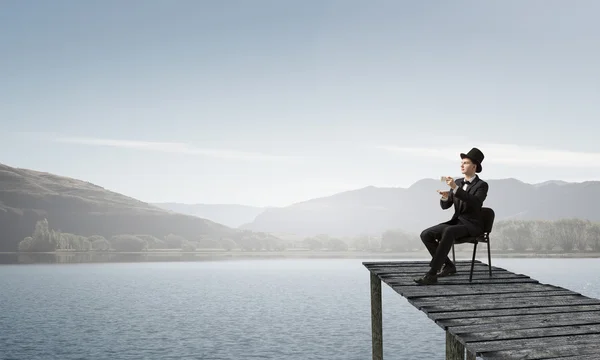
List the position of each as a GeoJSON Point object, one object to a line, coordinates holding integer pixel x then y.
{"type": "Point", "coordinates": [82, 208]}
{"type": "Point", "coordinates": [232, 215]}
{"type": "Point", "coordinates": [372, 210]}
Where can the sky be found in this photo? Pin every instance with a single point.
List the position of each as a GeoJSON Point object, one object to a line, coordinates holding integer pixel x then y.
{"type": "Point", "coordinates": [270, 102]}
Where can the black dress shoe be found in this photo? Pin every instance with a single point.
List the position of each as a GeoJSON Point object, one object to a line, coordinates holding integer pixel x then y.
{"type": "Point", "coordinates": [447, 270]}
{"type": "Point", "coordinates": [427, 279]}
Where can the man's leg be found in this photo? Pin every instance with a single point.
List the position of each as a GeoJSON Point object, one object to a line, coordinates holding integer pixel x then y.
{"type": "Point", "coordinates": [449, 234]}
{"type": "Point", "coordinates": [431, 237]}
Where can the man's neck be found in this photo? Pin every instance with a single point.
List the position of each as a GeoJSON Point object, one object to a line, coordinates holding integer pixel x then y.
{"type": "Point", "coordinates": [469, 177]}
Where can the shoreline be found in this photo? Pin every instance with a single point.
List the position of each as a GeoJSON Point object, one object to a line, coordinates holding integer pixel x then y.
{"type": "Point", "coordinates": [297, 254]}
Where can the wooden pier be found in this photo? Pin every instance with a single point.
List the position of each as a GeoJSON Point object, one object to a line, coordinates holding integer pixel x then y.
{"type": "Point", "coordinates": [506, 316]}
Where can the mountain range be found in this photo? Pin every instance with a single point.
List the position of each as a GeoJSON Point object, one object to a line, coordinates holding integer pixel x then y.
{"type": "Point", "coordinates": [82, 208]}
{"type": "Point", "coordinates": [372, 210]}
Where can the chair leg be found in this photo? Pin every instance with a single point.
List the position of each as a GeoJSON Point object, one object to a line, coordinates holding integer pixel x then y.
{"type": "Point", "coordinates": [473, 262]}
{"type": "Point", "coordinates": [453, 257]}
{"type": "Point", "coordinates": [489, 259]}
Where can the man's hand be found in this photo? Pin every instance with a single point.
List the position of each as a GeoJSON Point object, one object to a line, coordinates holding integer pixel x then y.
{"type": "Point", "coordinates": [444, 194]}
{"type": "Point", "coordinates": [450, 182]}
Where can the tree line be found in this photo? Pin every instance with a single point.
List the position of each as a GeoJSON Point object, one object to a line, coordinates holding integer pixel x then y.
{"type": "Point", "coordinates": [518, 236]}
{"type": "Point", "coordinates": [564, 235]}
{"type": "Point", "coordinates": [45, 239]}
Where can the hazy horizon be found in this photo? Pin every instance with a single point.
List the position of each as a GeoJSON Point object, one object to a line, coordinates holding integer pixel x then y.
{"type": "Point", "coordinates": [326, 195]}
{"type": "Point", "coordinates": [273, 103]}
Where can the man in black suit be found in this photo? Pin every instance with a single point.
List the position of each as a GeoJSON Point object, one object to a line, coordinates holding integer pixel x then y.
{"type": "Point", "coordinates": [467, 195]}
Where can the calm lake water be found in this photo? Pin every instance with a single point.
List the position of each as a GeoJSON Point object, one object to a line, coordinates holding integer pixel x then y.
{"type": "Point", "coordinates": [228, 310]}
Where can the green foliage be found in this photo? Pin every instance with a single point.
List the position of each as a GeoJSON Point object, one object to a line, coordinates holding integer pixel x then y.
{"type": "Point", "coordinates": [153, 242]}
{"type": "Point", "coordinates": [188, 246]}
{"type": "Point", "coordinates": [571, 234]}
{"type": "Point", "coordinates": [25, 244]}
{"type": "Point", "coordinates": [208, 243]}
{"type": "Point", "coordinates": [593, 236]}
{"type": "Point", "coordinates": [228, 244]}
{"type": "Point", "coordinates": [175, 241]}
{"type": "Point", "coordinates": [564, 235]}
{"type": "Point", "coordinates": [398, 240]}
{"type": "Point", "coordinates": [99, 243]}
{"type": "Point", "coordinates": [313, 243]}
{"type": "Point", "coordinates": [75, 242]}
{"type": "Point", "coordinates": [518, 234]}
{"type": "Point", "coordinates": [128, 243]}
{"type": "Point", "coordinates": [45, 239]}
{"type": "Point", "coordinates": [542, 237]}
{"type": "Point", "coordinates": [335, 244]}
{"type": "Point", "coordinates": [366, 243]}
{"type": "Point", "coordinates": [250, 242]}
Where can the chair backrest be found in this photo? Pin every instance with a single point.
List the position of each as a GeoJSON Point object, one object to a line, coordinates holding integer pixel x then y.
{"type": "Point", "coordinates": [487, 215]}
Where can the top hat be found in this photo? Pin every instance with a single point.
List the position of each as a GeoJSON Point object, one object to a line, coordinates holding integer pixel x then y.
{"type": "Point", "coordinates": [476, 156]}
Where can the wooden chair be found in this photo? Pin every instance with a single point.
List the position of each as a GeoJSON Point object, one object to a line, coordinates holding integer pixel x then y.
{"type": "Point", "coordinates": [487, 216]}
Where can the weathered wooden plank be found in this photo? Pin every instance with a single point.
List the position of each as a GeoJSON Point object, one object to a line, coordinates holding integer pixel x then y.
{"type": "Point", "coordinates": [503, 312]}
{"type": "Point", "coordinates": [499, 299]}
{"type": "Point", "coordinates": [516, 334]}
{"type": "Point", "coordinates": [459, 275]}
{"type": "Point", "coordinates": [480, 274]}
{"type": "Point", "coordinates": [512, 304]}
{"type": "Point", "coordinates": [478, 297]}
{"type": "Point", "coordinates": [530, 326]}
{"type": "Point", "coordinates": [424, 301]}
{"type": "Point", "coordinates": [459, 281]}
{"type": "Point", "coordinates": [460, 272]}
{"type": "Point", "coordinates": [369, 264]}
{"type": "Point", "coordinates": [453, 280]}
{"type": "Point", "coordinates": [594, 356]}
{"type": "Point", "coordinates": [407, 265]}
{"type": "Point", "coordinates": [519, 321]}
{"type": "Point", "coordinates": [441, 291]}
{"type": "Point", "coordinates": [480, 347]}
{"type": "Point", "coordinates": [421, 267]}
{"type": "Point", "coordinates": [571, 352]}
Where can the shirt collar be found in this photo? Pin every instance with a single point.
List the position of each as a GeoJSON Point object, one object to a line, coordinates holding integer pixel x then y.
{"type": "Point", "coordinates": [471, 179]}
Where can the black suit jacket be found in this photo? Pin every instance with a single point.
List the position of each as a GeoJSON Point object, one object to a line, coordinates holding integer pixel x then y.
{"type": "Point", "coordinates": [467, 204]}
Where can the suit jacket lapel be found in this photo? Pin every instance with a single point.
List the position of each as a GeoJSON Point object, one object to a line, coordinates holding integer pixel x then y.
{"type": "Point", "coordinates": [470, 190]}
{"type": "Point", "coordinates": [459, 203]}
{"type": "Point", "coordinates": [473, 185]}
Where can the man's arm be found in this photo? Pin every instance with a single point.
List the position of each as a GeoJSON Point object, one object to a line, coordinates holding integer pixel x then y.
{"type": "Point", "coordinates": [446, 203]}
{"type": "Point", "coordinates": [474, 200]}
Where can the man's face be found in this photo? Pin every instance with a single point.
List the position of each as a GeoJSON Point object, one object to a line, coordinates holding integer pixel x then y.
{"type": "Point", "coordinates": [467, 167]}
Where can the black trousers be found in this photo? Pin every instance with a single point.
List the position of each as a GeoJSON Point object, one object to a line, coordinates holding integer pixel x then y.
{"type": "Point", "coordinates": [438, 240]}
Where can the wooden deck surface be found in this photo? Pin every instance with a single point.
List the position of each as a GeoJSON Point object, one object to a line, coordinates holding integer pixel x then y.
{"type": "Point", "coordinates": [507, 316]}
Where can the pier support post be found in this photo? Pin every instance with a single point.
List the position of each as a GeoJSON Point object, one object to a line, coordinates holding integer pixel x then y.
{"type": "Point", "coordinates": [454, 349]}
{"type": "Point", "coordinates": [376, 319]}
{"type": "Point", "coordinates": [471, 356]}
